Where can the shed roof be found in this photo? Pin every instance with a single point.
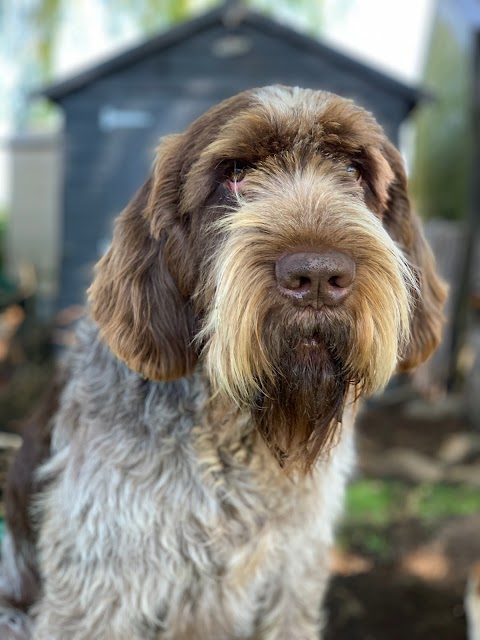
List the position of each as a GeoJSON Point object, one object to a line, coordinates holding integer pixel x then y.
{"type": "Point", "coordinates": [219, 17]}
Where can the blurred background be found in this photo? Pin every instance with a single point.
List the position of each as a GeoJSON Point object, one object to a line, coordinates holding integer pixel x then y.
{"type": "Point", "coordinates": [86, 90]}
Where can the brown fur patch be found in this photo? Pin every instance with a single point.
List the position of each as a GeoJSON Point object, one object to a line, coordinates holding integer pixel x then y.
{"type": "Point", "coordinates": [429, 298]}
{"type": "Point", "coordinates": [191, 267]}
{"type": "Point", "coordinates": [22, 485]}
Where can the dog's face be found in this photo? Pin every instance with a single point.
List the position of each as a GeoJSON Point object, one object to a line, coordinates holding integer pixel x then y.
{"type": "Point", "coordinates": [275, 241]}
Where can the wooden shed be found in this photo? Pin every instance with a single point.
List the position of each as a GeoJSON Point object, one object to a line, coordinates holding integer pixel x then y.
{"type": "Point", "coordinates": [116, 112]}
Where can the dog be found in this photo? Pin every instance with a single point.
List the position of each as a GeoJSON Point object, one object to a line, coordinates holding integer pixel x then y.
{"type": "Point", "coordinates": [268, 275]}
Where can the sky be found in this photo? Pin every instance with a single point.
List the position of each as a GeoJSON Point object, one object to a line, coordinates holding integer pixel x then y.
{"type": "Point", "coordinates": [391, 36]}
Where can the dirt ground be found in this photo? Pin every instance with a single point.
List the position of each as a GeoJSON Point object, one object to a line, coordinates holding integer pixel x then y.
{"type": "Point", "coordinates": [410, 583]}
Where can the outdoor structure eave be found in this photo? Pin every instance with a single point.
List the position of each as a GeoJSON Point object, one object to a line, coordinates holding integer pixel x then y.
{"type": "Point", "coordinates": [56, 92]}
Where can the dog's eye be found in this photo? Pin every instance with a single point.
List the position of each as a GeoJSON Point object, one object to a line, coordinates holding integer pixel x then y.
{"type": "Point", "coordinates": [235, 178]}
{"type": "Point", "coordinates": [354, 172]}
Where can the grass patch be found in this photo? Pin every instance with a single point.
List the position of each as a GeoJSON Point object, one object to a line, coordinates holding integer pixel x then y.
{"type": "Point", "coordinates": [373, 507]}
{"type": "Point", "coordinates": [439, 501]}
{"type": "Point", "coordinates": [372, 502]}
{"type": "Point", "coordinates": [378, 502]}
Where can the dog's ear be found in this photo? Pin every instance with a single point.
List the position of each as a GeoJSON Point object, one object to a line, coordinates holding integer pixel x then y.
{"type": "Point", "coordinates": [135, 297]}
{"type": "Point", "coordinates": [405, 228]}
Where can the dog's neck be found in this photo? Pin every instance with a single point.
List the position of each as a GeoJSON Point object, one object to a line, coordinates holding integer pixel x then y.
{"type": "Point", "coordinates": [182, 408]}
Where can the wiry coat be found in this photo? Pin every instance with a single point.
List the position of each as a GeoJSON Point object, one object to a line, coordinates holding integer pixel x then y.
{"type": "Point", "coordinates": [157, 522]}
{"type": "Point", "coordinates": [204, 433]}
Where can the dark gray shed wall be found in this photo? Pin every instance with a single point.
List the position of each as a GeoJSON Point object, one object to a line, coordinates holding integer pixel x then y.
{"type": "Point", "coordinates": [105, 164]}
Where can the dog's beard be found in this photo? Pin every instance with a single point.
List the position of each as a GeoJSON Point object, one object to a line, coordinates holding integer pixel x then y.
{"type": "Point", "coordinates": [298, 412]}
{"type": "Point", "coordinates": [258, 347]}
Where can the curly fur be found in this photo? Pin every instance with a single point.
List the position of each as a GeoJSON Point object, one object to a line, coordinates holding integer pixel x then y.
{"type": "Point", "coordinates": [201, 447]}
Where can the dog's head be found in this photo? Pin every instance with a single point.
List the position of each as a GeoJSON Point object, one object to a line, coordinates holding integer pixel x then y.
{"type": "Point", "coordinates": [275, 241]}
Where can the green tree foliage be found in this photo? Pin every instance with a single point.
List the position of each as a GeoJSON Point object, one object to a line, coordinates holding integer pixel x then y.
{"type": "Point", "coordinates": [46, 16]}
{"type": "Point", "coordinates": [32, 32]}
{"type": "Point", "coordinates": [443, 128]}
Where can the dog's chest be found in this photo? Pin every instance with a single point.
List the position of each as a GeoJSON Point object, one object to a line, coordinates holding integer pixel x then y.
{"type": "Point", "coordinates": [196, 517]}
{"type": "Point", "coordinates": [229, 528]}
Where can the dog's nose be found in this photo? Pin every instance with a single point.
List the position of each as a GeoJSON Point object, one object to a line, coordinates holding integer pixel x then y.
{"type": "Point", "coordinates": [315, 279]}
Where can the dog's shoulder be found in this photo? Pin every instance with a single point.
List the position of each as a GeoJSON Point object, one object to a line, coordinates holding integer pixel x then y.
{"type": "Point", "coordinates": [102, 396]}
